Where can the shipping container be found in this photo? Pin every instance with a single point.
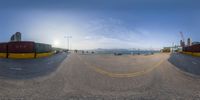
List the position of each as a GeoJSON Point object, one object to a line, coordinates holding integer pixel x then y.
{"type": "Point", "coordinates": [3, 47]}
{"type": "Point", "coordinates": [196, 48]}
{"type": "Point", "coordinates": [193, 48]}
{"type": "Point", "coordinates": [21, 47]}
{"type": "Point", "coordinates": [42, 48]}
{"type": "Point", "coordinates": [187, 49]}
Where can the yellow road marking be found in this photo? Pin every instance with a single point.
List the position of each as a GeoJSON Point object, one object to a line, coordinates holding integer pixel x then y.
{"type": "Point", "coordinates": [131, 74]}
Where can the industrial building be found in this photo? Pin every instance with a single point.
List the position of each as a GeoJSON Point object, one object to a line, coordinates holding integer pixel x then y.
{"type": "Point", "coordinates": [16, 37]}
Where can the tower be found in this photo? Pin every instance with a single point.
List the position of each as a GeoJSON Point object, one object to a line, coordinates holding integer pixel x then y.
{"type": "Point", "coordinates": [189, 42]}
{"type": "Point", "coordinates": [16, 37]}
{"type": "Point", "coordinates": [182, 43]}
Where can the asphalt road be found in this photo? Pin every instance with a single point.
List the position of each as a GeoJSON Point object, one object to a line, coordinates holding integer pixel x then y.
{"type": "Point", "coordinates": [29, 68]}
{"type": "Point", "coordinates": [101, 77]}
{"type": "Point", "coordinates": [186, 63]}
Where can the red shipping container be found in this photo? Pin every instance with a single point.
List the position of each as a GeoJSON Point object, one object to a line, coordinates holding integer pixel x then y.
{"type": "Point", "coordinates": [3, 47]}
{"type": "Point", "coordinates": [196, 48]}
{"type": "Point", "coordinates": [21, 47]}
{"type": "Point", "coordinates": [192, 48]}
{"type": "Point", "coordinates": [185, 49]}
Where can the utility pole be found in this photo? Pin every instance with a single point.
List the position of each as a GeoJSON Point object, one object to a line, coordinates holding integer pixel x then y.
{"type": "Point", "coordinates": [173, 47]}
{"type": "Point", "coordinates": [68, 37]}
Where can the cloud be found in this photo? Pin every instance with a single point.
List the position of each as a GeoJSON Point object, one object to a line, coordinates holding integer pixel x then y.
{"type": "Point", "coordinates": [113, 33]}
{"type": "Point", "coordinates": [88, 32]}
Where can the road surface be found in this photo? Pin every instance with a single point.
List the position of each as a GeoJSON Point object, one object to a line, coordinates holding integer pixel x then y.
{"type": "Point", "coordinates": [101, 77]}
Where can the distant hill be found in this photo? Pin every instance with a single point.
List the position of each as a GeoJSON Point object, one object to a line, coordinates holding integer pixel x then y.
{"type": "Point", "coordinates": [124, 51]}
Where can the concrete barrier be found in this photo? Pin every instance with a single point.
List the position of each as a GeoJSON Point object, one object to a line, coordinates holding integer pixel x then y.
{"type": "Point", "coordinates": [40, 55]}
{"type": "Point", "coordinates": [3, 55]}
{"type": "Point", "coordinates": [196, 54]}
{"type": "Point", "coordinates": [25, 55]}
{"type": "Point", "coordinates": [192, 53]}
{"type": "Point", "coordinates": [21, 55]}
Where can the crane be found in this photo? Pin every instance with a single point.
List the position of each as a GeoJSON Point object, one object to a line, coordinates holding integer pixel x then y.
{"type": "Point", "coordinates": [183, 39]}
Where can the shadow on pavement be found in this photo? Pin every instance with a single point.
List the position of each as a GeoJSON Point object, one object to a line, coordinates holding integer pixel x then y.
{"type": "Point", "coordinates": [186, 63]}
{"type": "Point", "coordinates": [30, 68]}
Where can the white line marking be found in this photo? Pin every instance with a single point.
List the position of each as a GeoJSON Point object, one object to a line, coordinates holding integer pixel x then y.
{"type": "Point", "coordinates": [16, 69]}
{"type": "Point", "coordinates": [194, 62]}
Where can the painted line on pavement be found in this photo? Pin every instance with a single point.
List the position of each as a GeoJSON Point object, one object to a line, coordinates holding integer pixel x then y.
{"type": "Point", "coordinates": [18, 69]}
{"type": "Point", "coordinates": [111, 74]}
{"type": "Point", "coordinates": [194, 62]}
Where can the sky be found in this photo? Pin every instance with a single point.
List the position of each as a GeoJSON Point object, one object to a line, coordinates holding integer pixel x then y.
{"type": "Point", "coordinates": [92, 24]}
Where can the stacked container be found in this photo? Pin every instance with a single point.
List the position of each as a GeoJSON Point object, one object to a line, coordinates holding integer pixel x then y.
{"type": "Point", "coordinates": [196, 48]}
{"type": "Point", "coordinates": [3, 50]}
{"type": "Point", "coordinates": [23, 49]}
{"type": "Point", "coordinates": [192, 50]}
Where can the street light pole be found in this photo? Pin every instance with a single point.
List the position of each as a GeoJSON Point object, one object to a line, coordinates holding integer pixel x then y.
{"type": "Point", "coordinates": [68, 37]}
{"type": "Point", "coordinates": [173, 47]}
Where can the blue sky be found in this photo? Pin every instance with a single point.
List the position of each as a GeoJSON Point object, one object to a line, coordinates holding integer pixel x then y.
{"type": "Point", "coordinates": [145, 24]}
